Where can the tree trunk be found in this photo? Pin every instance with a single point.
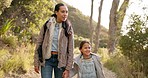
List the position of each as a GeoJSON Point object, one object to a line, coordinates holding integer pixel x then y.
{"type": "Point", "coordinates": [98, 28]}
{"type": "Point", "coordinates": [120, 17]}
{"type": "Point", "coordinates": [91, 27]}
{"type": "Point", "coordinates": [113, 26]}
{"type": "Point", "coordinates": [116, 21]}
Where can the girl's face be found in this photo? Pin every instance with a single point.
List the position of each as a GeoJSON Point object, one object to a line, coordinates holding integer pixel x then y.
{"type": "Point", "coordinates": [62, 14]}
{"type": "Point", "coordinates": [85, 50]}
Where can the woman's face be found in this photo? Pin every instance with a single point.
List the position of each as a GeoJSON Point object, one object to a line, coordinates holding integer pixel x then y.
{"type": "Point", "coordinates": [86, 49]}
{"type": "Point", "coordinates": [62, 14]}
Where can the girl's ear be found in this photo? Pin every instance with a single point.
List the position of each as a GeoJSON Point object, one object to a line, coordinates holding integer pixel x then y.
{"type": "Point", "coordinates": [55, 12]}
{"type": "Point", "coordinates": [80, 50]}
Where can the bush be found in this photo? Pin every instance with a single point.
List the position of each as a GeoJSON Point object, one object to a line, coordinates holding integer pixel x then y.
{"type": "Point", "coordinates": [120, 65]}
{"type": "Point", "coordinates": [19, 62]}
{"type": "Point", "coordinates": [11, 41]}
{"type": "Point", "coordinates": [134, 44]}
{"type": "Point", "coordinates": [1, 74]}
{"type": "Point", "coordinates": [4, 55]}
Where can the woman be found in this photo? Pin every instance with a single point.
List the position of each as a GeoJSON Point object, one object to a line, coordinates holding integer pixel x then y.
{"type": "Point", "coordinates": [87, 64]}
{"type": "Point", "coordinates": [56, 38]}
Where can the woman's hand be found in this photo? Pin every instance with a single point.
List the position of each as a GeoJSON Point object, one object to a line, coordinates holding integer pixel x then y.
{"type": "Point", "coordinates": [36, 68]}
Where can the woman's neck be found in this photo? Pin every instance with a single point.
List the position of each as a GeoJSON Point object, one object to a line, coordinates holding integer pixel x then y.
{"type": "Point", "coordinates": [58, 21]}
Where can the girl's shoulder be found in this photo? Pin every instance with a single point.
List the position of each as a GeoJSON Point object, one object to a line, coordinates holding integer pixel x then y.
{"type": "Point", "coordinates": [78, 57]}
{"type": "Point", "coordinates": [94, 55]}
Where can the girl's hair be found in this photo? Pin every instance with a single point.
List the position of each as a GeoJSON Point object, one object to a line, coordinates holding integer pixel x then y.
{"type": "Point", "coordinates": [82, 43]}
{"type": "Point", "coordinates": [57, 7]}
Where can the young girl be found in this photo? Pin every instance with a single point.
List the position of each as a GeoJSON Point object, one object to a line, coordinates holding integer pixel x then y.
{"type": "Point", "coordinates": [87, 64]}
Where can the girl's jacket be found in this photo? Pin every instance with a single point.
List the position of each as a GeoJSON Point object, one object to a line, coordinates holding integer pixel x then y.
{"type": "Point", "coordinates": [77, 70]}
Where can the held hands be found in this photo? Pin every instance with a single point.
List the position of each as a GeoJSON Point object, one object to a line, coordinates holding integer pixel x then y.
{"type": "Point", "coordinates": [66, 74]}
{"type": "Point", "coordinates": [36, 69]}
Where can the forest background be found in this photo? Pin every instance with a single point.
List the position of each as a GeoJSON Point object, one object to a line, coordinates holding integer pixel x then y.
{"type": "Point", "coordinates": [124, 54]}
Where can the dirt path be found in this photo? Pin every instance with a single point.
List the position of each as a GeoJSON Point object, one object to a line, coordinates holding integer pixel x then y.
{"type": "Point", "coordinates": [108, 73]}
{"type": "Point", "coordinates": [32, 74]}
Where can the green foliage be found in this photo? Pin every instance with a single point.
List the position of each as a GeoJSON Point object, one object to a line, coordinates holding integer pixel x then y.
{"type": "Point", "coordinates": [40, 11]}
{"type": "Point", "coordinates": [76, 50]}
{"type": "Point", "coordinates": [4, 55]}
{"type": "Point", "coordinates": [17, 62]}
{"type": "Point", "coordinates": [120, 65]}
{"type": "Point", "coordinates": [1, 74]}
{"type": "Point", "coordinates": [27, 13]}
{"type": "Point", "coordinates": [81, 28]}
{"type": "Point", "coordinates": [103, 53]}
{"type": "Point", "coordinates": [103, 43]}
{"type": "Point", "coordinates": [78, 39]}
{"type": "Point", "coordinates": [10, 41]}
{"type": "Point", "coordinates": [6, 27]}
{"type": "Point", "coordinates": [4, 4]}
{"type": "Point", "coordinates": [134, 44]}
{"type": "Point", "coordinates": [80, 25]}
{"type": "Point", "coordinates": [12, 64]}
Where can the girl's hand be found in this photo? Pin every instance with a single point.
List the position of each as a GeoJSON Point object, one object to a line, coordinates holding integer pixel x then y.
{"type": "Point", "coordinates": [66, 74]}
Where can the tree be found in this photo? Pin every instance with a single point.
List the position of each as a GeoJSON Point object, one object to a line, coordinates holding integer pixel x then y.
{"type": "Point", "coordinates": [98, 28]}
{"type": "Point", "coordinates": [27, 15]}
{"type": "Point", "coordinates": [90, 20]}
{"type": "Point", "coordinates": [134, 44]}
{"type": "Point", "coordinates": [116, 20]}
{"type": "Point", "coordinates": [4, 4]}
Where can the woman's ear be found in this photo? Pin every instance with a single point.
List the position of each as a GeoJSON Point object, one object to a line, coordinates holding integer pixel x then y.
{"type": "Point", "coordinates": [56, 12]}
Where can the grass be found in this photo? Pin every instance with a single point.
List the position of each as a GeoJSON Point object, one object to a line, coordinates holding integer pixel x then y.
{"type": "Point", "coordinates": [119, 64]}
{"type": "Point", "coordinates": [10, 41]}
{"type": "Point", "coordinates": [18, 62]}
{"type": "Point", "coordinates": [21, 60]}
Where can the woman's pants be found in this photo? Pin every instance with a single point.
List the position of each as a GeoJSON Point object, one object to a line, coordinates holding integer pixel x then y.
{"type": "Point", "coordinates": [50, 65]}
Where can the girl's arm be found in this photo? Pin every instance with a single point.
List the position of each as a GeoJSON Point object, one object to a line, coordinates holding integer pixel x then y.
{"type": "Point", "coordinates": [74, 70]}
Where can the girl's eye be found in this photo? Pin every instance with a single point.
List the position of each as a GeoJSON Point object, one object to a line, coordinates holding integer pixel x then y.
{"type": "Point", "coordinates": [87, 48]}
